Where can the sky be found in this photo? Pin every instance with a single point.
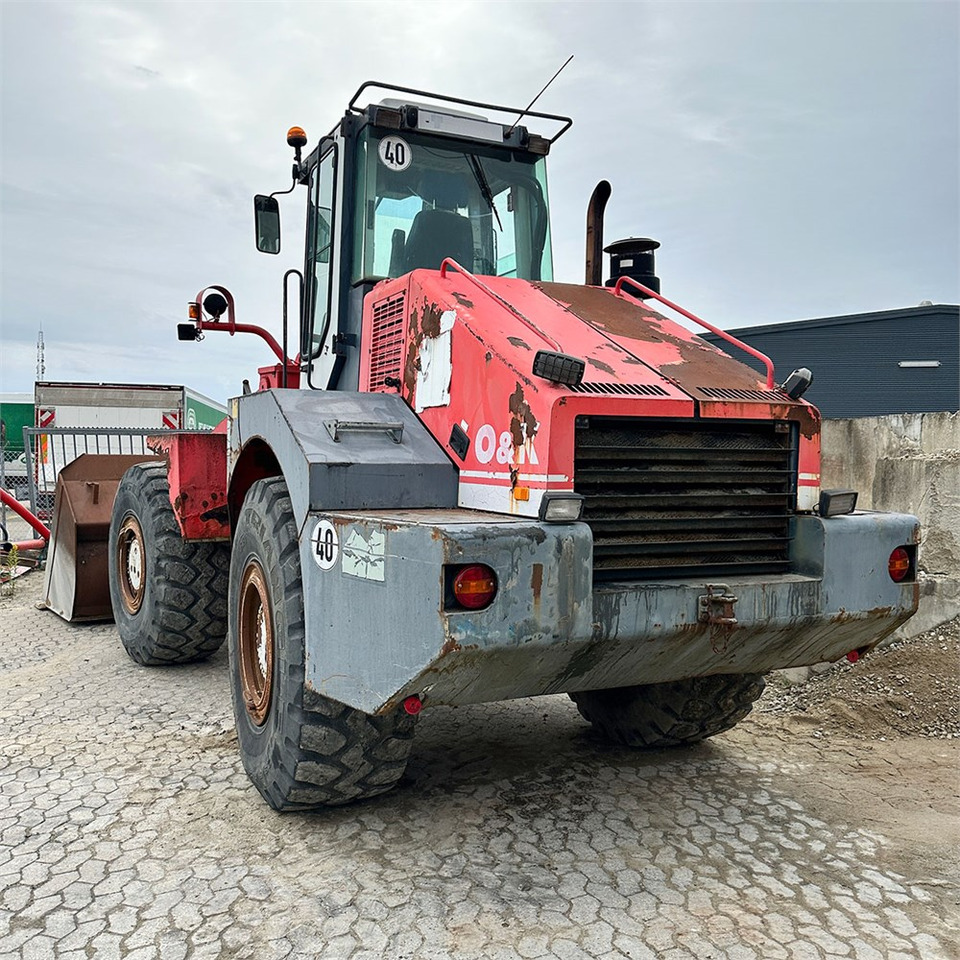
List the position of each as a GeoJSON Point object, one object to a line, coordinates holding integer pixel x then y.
{"type": "Point", "coordinates": [795, 160]}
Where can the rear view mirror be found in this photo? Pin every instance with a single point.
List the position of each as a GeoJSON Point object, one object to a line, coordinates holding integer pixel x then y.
{"type": "Point", "coordinates": [266, 214]}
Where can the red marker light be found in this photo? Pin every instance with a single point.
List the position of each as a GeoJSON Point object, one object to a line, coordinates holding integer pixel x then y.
{"type": "Point", "coordinates": [413, 705]}
{"type": "Point", "coordinates": [899, 564]}
{"type": "Point", "coordinates": [475, 586]}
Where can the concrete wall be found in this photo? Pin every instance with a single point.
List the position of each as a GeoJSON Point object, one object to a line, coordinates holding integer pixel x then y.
{"type": "Point", "coordinates": [908, 463]}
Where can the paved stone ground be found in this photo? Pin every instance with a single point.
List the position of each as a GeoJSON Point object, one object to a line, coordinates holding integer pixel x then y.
{"type": "Point", "coordinates": [128, 829]}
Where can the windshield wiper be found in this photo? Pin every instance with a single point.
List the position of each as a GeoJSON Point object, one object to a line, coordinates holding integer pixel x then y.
{"type": "Point", "coordinates": [484, 186]}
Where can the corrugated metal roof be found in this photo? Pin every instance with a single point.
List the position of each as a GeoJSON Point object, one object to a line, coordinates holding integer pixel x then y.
{"type": "Point", "coordinates": [856, 359]}
{"type": "Point", "coordinates": [914, 313]}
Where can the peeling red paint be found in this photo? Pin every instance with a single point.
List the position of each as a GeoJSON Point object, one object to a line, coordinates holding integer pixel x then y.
{"type": "Point", "coordinates": [430, 320]}
{"type": "Point", "coordinates": [196, 468]}
{"type": "Point", "coordinates": [523, 424]}
{"type": "Point", "coordinates": [692, 362]}
{"type": "Point", "coordinates": [600, 365]}
{"type": "Point", "coordinates": [425, 324]}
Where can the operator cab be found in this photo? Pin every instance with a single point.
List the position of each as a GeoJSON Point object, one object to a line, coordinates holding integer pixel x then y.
{"type": "Point", "coordinates": [401, 185]}
{"type": "Point", "coordinates": [423, 196]}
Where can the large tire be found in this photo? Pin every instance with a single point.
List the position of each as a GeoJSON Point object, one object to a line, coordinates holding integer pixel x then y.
{"type": "Point", "coordinates": [169, 595]}
{"type": "Point", "coordinates": [300, 749]}
{"type": "Point", "coordinates": [670, 714]}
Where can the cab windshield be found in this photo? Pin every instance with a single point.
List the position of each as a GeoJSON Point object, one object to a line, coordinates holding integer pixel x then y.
{"type": "Point", "coordinates": [422, 198]}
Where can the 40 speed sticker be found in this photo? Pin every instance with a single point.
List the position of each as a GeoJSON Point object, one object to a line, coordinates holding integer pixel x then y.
{"type": "Point", "coordinates": [395, 153]}
{"type": "Point", "coordinates": [326, 544]}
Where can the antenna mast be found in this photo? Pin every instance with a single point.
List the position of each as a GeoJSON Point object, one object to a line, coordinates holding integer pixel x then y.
{"type": "Point", "coordinates": [41, 367]}
{"type": "Point", "coordinates": [529, 106]}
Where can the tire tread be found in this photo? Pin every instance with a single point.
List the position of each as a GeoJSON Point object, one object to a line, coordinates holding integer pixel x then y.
{"type": "Point", "coordinates": [324, 753]}
{"type": "Point", "coordinates": [670, 714]}
{"type": "Point", "coordinates": [187, 618]}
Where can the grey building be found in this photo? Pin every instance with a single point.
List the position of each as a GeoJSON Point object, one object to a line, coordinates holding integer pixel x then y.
{"type": "Point", "coordinates": [867, 364]}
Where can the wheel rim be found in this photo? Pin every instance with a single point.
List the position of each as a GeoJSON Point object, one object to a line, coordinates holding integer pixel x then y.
{"type": "Point", "coordinates": [131, 566]}
{"type": "Point", "coordinates": [255, 642]}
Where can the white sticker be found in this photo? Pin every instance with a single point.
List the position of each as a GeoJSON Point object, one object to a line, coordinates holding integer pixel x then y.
{"type": "Point", "coordinates": [395, 153]}
{"type": "Point", "coordinates": [435, 368]}
{"type": "Point", "coordinates": [326, 544]}
{"type": "Point", "coordinates": [364, 558]}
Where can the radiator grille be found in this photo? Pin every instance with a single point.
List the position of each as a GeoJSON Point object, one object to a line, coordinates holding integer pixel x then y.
{"type": "Point", "coordinates": [386, 350]}
{"type": "Point", "coordinates": [686, 499]}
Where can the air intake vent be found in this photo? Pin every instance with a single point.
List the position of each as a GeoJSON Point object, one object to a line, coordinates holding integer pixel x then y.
{"type": "Point", "coordinates": [669, 499]}
{"type": "Point", "coordinates": [724, 393]}
{"type": "Point", "coordinates": [386, 351]}
{"type": "Point", "coordinates": [624, 389]}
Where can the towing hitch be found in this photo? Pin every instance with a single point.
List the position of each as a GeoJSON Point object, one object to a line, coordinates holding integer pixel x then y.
{"type": "Point", "coordinates": [716, 606]}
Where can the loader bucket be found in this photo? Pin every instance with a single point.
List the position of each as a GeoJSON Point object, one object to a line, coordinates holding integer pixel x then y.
{"type": "Point", "coordinates": [77, 584]}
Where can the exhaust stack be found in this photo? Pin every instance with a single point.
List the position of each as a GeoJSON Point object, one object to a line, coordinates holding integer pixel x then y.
{"type": "Point", "coordinates": [594, 260]}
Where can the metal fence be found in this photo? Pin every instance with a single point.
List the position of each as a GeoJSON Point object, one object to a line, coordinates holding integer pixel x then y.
{"type": "Point", "coordinates": [48, 450]}
{"type": "Point", "coordinates": [13, 475]}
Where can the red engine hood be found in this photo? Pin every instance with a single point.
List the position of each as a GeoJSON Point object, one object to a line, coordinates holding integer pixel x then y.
{"type": "Point", "coordinates": [463, 355]}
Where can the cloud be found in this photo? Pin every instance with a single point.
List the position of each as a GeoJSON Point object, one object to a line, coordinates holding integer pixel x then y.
{"type": "Point", "coordinates": [774, 148]}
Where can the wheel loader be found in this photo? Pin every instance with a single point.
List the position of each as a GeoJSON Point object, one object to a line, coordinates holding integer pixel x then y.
{"type": "Point", "coordinates": [466, 481]}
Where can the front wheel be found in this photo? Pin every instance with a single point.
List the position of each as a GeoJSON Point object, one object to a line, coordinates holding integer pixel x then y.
{"type": "Point", "coordinates": [299, 748]}
{"type": "Point", "coordinates": [670, 714]}
{"type": "Point", "coordinates": [169, 595]}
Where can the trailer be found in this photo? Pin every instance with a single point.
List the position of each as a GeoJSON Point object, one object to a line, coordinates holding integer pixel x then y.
{"type": "Point", "coordinates": [168, 407]}
{"type": "Point", "coordinates": [468, 482]}
{"type": "Point", "coordinates": [75, 418]}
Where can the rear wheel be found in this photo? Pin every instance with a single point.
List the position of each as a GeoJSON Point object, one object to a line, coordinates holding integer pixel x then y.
{"type": "Point", "coordinates": [169, 595]}
{"type": "Point", "coordinates": [299, 748]}
{"type": "Point", "coordinates": [670, 714]}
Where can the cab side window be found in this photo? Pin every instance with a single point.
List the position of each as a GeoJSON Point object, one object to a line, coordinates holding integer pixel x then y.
{"type": "Point", "coordinates": [320, 259]}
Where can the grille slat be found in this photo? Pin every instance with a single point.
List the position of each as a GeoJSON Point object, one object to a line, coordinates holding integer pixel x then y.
{"type": "Point", "coordinates": [660, 474]}
{"type": "Point", "coordinates": [656, 569]}
{"type": "Point", "coordinates": [687, 498]}
{"type": "Point", "coordinates": [622, 389]}
{"type": "Point", "coordinates": [725, 393]}
{"type": "Point", "coordinates": [668, 454]}
{"type": "Point", "coordinates": [386, 355]}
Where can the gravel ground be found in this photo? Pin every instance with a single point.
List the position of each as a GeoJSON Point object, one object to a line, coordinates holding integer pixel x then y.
{"type": "Point", "coordinates": [826, 825]}
{"type": "Point", "coordinates": [908, 689]}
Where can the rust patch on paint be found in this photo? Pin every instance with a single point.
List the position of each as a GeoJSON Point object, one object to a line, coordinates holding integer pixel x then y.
{"type": "Point", "coordinates": [422, 324]}
{"type": "Point", "coordinates": [805, 416]}
{"type": "Point", "coordinates": [679, 356]}
{"type": "Point", "coordinates": [600, 365]}
{"type": "Point", "coordinates": [691, 362]}
{"type": "Point", "coordinates": [536, 582]}
{"type": "Point", "coordinates": [877, 613]}
{"type": "Point", "coordinates": [517, 342]}
{"type": "Point", "coordinates": [523, 424]}
{"type": "Point", "coordinates": [430, 320]}
{"type": "Point", "coordinates": [451, 646]}
{"type": "Point", "coordinates": [462, 300]}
